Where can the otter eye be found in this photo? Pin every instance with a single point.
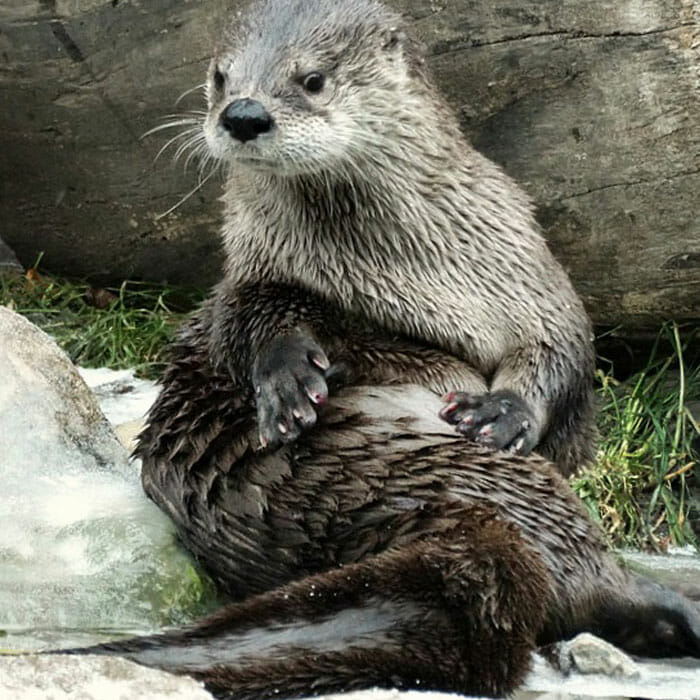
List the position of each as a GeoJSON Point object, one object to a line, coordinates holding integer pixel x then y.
{"type": "Point", "coordinates": [313, 82]}
{"type": "Point", "coordinates": [219, 80]}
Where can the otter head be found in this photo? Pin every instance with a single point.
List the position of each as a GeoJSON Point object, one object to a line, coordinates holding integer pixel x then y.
{"type": "Point", "coordinates": [302, 86]}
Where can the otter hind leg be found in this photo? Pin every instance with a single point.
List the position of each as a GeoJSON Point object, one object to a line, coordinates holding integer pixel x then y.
{"type": "Point", "coordinates": [455, 611]}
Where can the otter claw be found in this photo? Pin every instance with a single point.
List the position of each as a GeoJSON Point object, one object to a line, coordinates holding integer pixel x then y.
{"type": "Point", "coordinates": [288, 376]}
{"type": "Point", "coordinates": [500, 420]}
{"type": "Point", "coordinates": [321, 361]}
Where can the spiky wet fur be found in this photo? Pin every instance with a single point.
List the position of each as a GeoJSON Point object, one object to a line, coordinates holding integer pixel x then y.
{"type": "Point", "coordinates": [451, 561]}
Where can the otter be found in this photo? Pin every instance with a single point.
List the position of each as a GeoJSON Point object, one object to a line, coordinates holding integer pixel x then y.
{"type": "Point", "coordinates": [349, 178]}
{"type": "Point", "coordinates": [379, 549]}
{"type": "Point", "coordinates": [299, 442]}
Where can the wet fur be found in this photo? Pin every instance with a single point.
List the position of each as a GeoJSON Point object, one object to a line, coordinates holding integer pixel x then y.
{"type": "Point", "coordinates": [368, 197]}
{"type": "Point", "coordinates": [451, 561]}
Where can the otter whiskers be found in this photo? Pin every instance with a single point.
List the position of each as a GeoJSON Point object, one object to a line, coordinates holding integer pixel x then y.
{"type": "Point", "coordinates": [191, 143]}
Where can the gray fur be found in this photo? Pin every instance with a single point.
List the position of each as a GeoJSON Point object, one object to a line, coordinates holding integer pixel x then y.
{"type": "Point", "coordinates": [368, 196]}
{"type": "Point", "coordinates": [361, 626]}
{"type": "Point", "coordinates": [363, 230]}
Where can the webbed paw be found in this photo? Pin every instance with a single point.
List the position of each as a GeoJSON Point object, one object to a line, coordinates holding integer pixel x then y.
{"type": "Point", "coordinates": [289, 381]}
{"type": "Point", "coordinates": [500, 419]}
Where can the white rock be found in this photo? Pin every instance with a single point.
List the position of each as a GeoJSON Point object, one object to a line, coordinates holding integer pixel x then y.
{"type": "Point", "coordinates": [90, 678]}
{"type": "Point", "coordinates": [84, 555]}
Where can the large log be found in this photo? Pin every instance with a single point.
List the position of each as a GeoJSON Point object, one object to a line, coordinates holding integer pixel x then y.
{"type": "Point", "coordinates": [592, 105]}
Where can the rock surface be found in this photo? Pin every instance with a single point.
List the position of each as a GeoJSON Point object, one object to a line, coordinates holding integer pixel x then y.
{"type": "Point", "coordinates": [8, 259]}
{"type": "Point", "coordinates": [84, 555]}
{"type": "Point", "coordinates": [45, 406]}
{"type": "Point", "coordinates": [599, 670]}
{"type": "Point", "coordinates": [100, 678]}
{"type": "Point", "coordinates": [589, 654]}
{"type": "Point", "coordinates": [91, 678]}
{"type": "Point", "coordinates": [591, 106]}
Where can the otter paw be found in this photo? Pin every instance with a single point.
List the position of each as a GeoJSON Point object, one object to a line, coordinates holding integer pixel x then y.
{"type": "Point", "coordinates": [500, 420]}
{"type": "Point", "coordinates": [289, 382]}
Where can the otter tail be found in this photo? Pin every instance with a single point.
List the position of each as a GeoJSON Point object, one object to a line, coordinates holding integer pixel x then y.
{"type": "Point", "coordinates": [458, 611]}
{"type": "Point", "coordinates": [649, 620]}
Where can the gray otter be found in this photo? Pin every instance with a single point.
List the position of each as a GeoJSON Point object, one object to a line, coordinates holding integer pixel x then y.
{"type": "Point", "coordinates": [376, 546]}
{"type": "Point", "coordinates": [348, 177]}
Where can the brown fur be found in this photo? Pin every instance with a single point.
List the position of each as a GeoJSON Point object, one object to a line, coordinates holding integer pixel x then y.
{"type": "Point", "coordinates": [379, 502]}
{"type": "Point", "coordinates": [459, 600]}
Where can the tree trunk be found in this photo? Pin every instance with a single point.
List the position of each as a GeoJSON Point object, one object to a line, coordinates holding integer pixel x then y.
{"type": "Point", "coordinates": [592, 106]}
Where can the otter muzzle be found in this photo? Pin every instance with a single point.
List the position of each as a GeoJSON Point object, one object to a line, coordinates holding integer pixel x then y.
{"type": "Point", "coordinates": [244, 119]}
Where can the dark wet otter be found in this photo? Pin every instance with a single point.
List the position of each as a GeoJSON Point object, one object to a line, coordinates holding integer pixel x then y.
{"type": "Point", "coordinates": [384, 549]}
{"type": "Point", "coordinates": [368, 542]}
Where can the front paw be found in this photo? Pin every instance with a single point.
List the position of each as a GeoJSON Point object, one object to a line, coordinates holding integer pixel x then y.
{"type": "Point", "coordinates": [289, 381]}
{"type": "Point", "coordinates": [500, 420]}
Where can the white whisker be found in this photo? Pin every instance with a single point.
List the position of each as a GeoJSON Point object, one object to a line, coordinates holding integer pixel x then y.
{"type": "Point", "coordinates": [201, 86]}
{"type": "Point", "coordinates": [189, 143]}
{"type": "Point", "coordinates": [199, 151]}
{"type": "Point", "coordinates": [189, 134]}
{"type": "Point", "coordinates": [182, 200]}
{"type": "Point", "coordinates": [207, 160]}
{"type": "Point", "coordinates": [192, 144]}
{"type": "Point", "coordinates": [189, 121]}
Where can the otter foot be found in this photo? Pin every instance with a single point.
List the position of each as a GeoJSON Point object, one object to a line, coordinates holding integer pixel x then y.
{"type": "Point", "coordinates": [288, 377]}
{"type": "Point", "coordinates": [500, 420]}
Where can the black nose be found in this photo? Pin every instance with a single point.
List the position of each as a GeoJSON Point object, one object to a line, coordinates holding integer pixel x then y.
{"type": "Point", "coordinates": [244, 119]}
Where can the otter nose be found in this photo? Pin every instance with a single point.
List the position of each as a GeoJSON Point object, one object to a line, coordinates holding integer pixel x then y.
{"type": "Point", "coordinates": [244, 119]}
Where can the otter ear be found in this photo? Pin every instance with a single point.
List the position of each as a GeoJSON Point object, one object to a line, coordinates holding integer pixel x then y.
{"type": "Point", "coordinates": [393, 39]}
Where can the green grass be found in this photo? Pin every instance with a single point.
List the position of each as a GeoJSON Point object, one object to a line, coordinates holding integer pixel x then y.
{"type": "Point", "coordinates": [643, 488]}
{"type": "Point", "coordinates": [125, 327]}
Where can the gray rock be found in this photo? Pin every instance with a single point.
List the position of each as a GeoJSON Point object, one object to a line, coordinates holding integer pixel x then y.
{"type": "Point", "coordinates": [84, 555]}
{"type": "Point", "coordinates": [591, 654]}
{"type": "Point", "coordinates": [595, 669]}
{"type": "Point", "coordinates": [47, 413]}
{"type": "Point", "coordinates": [91, 678]}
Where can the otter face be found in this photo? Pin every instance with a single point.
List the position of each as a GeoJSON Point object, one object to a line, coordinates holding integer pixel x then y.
{"type": "Point", "coordinates": [305, 86]}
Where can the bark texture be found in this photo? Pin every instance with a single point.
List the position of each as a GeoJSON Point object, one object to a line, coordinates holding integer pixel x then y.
{"type": "Point", "coordinates": [593, 106]}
